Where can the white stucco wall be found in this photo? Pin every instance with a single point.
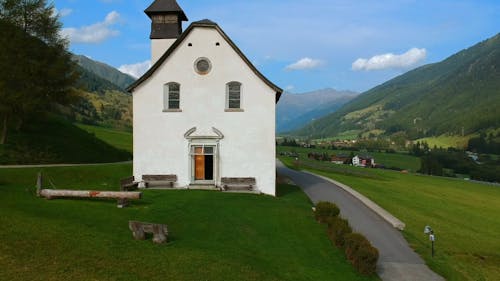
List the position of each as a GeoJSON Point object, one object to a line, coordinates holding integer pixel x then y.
{"type": "Point", "coordinates": [158, 48]}
{"type": "Point", "coordinates": [248, 146]}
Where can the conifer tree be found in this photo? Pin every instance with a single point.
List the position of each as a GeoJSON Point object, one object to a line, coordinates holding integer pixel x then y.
{"type": "Point", "coordinates": [36, 70]}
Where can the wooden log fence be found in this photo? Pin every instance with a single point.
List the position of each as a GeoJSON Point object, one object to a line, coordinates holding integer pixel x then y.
{"type": "Point", "coordinates": [122, 196]}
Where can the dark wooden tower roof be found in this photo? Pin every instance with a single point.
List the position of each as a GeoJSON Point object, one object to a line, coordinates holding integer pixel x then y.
{"type": "Point", "coordinates": [166, 19]}
{"type": "Point", "coordinates": [166, 7]}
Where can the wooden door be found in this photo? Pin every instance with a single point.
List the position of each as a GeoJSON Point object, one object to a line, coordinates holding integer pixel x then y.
{"type": "Point", "coordinates": [199, 164]}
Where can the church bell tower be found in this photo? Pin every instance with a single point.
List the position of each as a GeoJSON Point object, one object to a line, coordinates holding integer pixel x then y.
{"type": "Point", "coordinates": [166, 25]}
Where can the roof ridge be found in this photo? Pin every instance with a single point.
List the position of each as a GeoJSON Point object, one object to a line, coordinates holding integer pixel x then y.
{"type": "Point", "coordinates": [205, 21]}
{"type": "Point", "coordinates": [183, 36]}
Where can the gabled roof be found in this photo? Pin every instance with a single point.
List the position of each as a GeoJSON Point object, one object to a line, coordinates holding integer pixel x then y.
{"type": "Point", "coordinates": [163, 6]}
{"type": "Point", "coordinates": [203, 24]}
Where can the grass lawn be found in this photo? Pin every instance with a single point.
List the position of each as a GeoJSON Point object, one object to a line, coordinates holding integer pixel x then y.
{"type": "Point", "coordinates": [213, 235]}
{"type": "Point", "coordinates": [116, 138]}
{"type": "Point", "coordinates": [403, 161]}
{"type": "Point", "coordinates": [464, 215]}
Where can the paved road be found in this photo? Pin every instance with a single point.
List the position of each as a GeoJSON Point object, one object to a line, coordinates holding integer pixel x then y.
{"type": "Point", "coordinates": [397, 260]}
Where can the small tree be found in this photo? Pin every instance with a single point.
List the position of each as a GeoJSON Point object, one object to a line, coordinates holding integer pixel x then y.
{"type": "Point", "coordinates": [429, 164]}
{"type": "Point", "coordinates": [34, 17]}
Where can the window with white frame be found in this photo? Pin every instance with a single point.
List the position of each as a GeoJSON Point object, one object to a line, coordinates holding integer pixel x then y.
{"type": "Point", "coordinates": [233, 95]}
{"type": "Point", "coordinates": [171, 96]}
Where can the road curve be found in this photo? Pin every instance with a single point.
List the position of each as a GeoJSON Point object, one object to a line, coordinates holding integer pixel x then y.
{"type": "Point", "coordinates": [397, 261]}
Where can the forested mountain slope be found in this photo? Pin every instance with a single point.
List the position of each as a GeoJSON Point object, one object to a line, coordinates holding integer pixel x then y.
{"type": "Point", "coordinates": [459, 95]}
{"type": "Point", "coordinates": [105, 71]}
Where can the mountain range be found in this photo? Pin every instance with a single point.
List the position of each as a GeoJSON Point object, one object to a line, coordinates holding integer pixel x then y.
{"type": "Point", "coordinates": [92, 68]}
{"type": "Point", "coordinates": [296, 110]}
{"type": "Point", "coordinates": [457, 96]}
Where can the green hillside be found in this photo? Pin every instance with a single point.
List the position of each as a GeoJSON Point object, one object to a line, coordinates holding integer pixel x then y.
{"type": "Point", "coordinates": [112, 109]}
{"type": "Point", "coordinates": [105, 71]}
{"type": "Point", "coordinates": [456, 96]}
{"type": "Point", "coordinates": [53, 139]}
{"type": "Point", "coordinates": [116, 138]}
{"type": "Point", "coordinates": [104, 101]}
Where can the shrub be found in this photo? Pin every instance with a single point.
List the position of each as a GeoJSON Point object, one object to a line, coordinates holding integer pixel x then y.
{"type": "Point", "coordinates": [338, 228]}
{"type": "Point", "coordinates": [366, 260]}
{"type": "Point", "coordinates": [325, 210]}
{"type": "Point", "coordinates": [354, 241]}
{"type": "Point", "coordinates": [361, 253]}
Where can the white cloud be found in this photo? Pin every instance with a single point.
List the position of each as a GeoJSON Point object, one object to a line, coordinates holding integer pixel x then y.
{"type": "Point", "coordinates": [112, 18]}
{"type": "Point", "coordinates": [387, 61]}
{"type": "Point", "coordinates": [64, 12]}
{"type": "Point", "coordinates": [289, 88]}
{"type": "Point", "coordinates": [95, 33]}
{"type": "Point", "coordinates": [136, 70]}
{"type": "Point", "coordinates": [305, 63]}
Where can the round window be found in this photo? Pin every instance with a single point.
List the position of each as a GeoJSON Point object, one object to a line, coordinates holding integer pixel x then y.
{"type": "Point", "coordinates": [202, 66]}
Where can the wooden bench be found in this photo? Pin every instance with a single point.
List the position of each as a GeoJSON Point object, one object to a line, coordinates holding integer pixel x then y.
{"type": "Point", "coordinates": [159, 180]}
{"type": "Point", "coordinates": [139, 230]}
{"type": "Point", "coordinates": [238, 183]}
{"type": "Point", "coordinates": [126, 184]}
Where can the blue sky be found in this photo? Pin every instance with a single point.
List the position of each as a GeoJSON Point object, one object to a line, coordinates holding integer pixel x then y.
{"type": "Point", "coordinates": [300, 45]}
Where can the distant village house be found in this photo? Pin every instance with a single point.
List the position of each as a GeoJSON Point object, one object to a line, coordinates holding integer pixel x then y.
{"type": "Point", "coordinates": [340, 159]}
{"type": "Point", "coordinates": [363, 161]}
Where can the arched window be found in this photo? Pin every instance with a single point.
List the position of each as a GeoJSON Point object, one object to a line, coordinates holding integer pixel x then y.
{"type": "Point", "coordinates": [233, 95]}
{"type": "Point", "coordinates": [171, 96]}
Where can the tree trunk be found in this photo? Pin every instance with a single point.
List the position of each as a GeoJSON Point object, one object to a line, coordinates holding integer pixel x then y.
{"type": "Point", "coordinates": [52, 193]}
{"type": "Point", "coordinates": [19, 124]}
{"type": "Point", "coordinates": [3, 138]}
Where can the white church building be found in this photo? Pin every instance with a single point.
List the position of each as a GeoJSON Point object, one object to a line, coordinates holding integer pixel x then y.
{"type": "Point", "coordinates": [202, 112]}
